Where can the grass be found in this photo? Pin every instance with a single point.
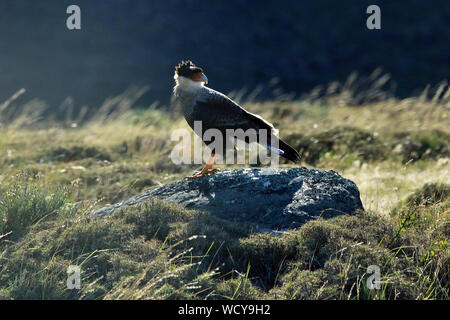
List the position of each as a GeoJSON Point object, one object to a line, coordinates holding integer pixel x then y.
{"type": "Point", "coordinates": [24, 204]}
{"type": "Point", "coordinates": [54, 172]}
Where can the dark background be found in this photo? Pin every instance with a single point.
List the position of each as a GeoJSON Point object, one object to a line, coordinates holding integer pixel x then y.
{"type": "Point", "coordinates": [238, 43]}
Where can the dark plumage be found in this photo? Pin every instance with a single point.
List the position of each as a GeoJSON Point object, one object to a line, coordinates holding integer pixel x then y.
{"type": "Point", "coordinates": [187, 69]}
{"type": "Point", "coordinates": [216, 111]}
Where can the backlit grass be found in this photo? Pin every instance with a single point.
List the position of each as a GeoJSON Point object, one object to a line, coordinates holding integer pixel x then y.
{"type": "Point", "coordinates": [53, 173]}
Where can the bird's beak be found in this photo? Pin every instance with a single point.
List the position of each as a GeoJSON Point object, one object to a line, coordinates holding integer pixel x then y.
{"type": "Point", "coordinates": [200, 77]}
{"type": "Point", "coordinates": [204, 78]}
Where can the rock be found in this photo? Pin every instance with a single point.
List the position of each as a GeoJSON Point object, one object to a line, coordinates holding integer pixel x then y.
{"type": "Point", "coordinates": [270, 199]}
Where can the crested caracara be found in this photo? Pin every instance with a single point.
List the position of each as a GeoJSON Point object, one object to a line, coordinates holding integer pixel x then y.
{"type": "Point", "coordinates": [216, 111]}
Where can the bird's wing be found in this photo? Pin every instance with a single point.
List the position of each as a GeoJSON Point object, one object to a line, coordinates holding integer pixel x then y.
{"type": "Point", "coordinates": [218, 111]}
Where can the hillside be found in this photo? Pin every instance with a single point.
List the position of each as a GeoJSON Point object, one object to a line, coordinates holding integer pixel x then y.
{"type": "Point", "coordinates": [53, 173]}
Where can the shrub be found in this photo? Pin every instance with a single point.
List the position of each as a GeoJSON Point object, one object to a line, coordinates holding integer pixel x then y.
{"type": "Point", "coordinates": [339, 140]}
{"type": "Point", "coordinates": [427, 208]}
{"type": "Point", "coordinates": [432, 144]}
{"type": "Point", "coordinates": [25, 203]}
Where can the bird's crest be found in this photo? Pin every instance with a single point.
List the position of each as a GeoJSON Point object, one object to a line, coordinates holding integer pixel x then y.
{"type": "Point", "coordinates": [184, 66]}
{"type": "Point", "coordinates": [187, 68]}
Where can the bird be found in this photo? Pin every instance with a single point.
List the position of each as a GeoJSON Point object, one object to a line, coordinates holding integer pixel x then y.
{"type": "Point", "coordinates": [217, 111]}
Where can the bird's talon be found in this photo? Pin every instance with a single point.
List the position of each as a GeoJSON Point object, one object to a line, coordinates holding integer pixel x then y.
{"type": "Point", "coordinates": [204, 172]}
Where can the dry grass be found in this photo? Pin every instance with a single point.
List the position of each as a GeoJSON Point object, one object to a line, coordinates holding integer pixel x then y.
{"type": "Point", "coordinates": [389, 147]}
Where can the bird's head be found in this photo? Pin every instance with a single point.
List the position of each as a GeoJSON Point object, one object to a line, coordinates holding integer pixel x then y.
{"type": "Point", "coordinates": [189, 75]}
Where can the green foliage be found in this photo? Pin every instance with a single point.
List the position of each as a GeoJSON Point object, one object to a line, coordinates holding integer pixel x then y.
{"type": "Point", "coordinates": [76, 153]}
{"type": "Point", "coordinates": [112, 252]}
{"type": "Point", "coordinates": [340, 141]}
{"type": "Point", "coordinates": [428, 195]}
{"type": "Point", "coordinates": [422, 145]}
{"type": "Point", "coordinates": [157, 250]}
{"type": "Point", "coordinates": [24, 203]}
{"type": "Point", "coordinates": [425, 209]}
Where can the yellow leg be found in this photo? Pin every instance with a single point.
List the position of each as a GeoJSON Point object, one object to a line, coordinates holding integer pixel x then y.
{"type": "Point", "coordinates": [208, 169]}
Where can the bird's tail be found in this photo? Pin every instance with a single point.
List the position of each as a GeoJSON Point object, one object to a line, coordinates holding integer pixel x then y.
{"type": "Point", "coordinates": [286, 151]}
